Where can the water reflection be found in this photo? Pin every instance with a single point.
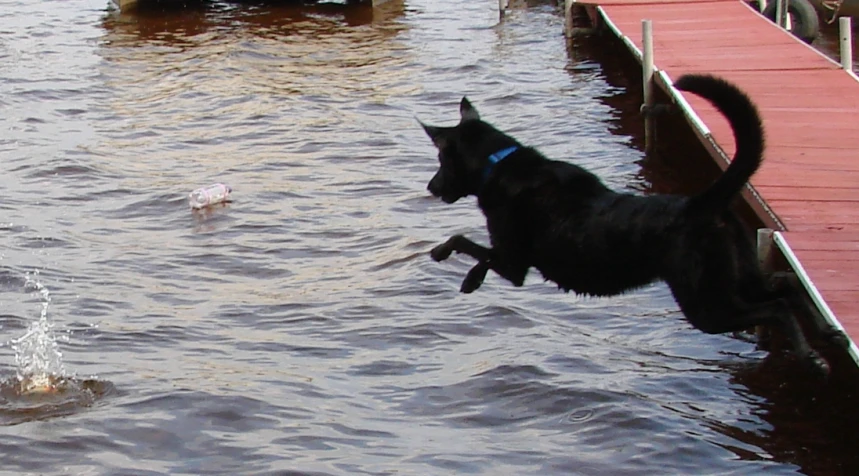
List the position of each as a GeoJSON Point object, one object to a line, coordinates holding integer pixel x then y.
{"type": "Point", "coordinates": [245, 77]}
{"type": "Point", "coordinates": [807, 422]}
{"type": "Point", "coordinates": [179, 25]}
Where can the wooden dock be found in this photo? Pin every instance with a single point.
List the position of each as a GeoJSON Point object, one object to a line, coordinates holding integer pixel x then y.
{"type": "Point", "coordinates": [807, 189]}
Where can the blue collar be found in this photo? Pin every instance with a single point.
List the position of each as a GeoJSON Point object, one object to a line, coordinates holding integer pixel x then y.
{"type": "Point", "coordinates": [497, 157]}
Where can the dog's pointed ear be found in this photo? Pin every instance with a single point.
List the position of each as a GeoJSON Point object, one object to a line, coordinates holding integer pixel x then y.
{"type": "Point", "coordinates": [437, 134]}
{"type": "Point", "coordinates": [467, 111]}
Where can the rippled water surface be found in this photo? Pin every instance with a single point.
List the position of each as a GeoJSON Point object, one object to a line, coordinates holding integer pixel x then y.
{"type": "Point", "coordinates": [302, 328]}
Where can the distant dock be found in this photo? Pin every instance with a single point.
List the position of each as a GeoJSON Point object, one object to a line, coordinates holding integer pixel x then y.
{"type": "Point", "coordinates": [127, 5]}
{"type": "Point", "coordinates": [807, 190]}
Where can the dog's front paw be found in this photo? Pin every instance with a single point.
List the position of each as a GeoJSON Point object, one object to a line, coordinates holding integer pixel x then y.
{"type": "Point", "coordinates": [442, 251]}
{"type": "Point", "coordinates": [474, 279]}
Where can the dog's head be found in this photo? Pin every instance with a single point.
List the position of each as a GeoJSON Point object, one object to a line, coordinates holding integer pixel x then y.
{"type": "Point", "coordinates": [463, 154]}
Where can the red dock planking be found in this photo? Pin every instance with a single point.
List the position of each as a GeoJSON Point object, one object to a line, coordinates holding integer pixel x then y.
{"type": "Point", "coordinates": [809, 179]}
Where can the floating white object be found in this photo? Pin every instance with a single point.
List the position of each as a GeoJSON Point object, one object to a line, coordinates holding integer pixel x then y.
{"type": "Point", "coordinates": [211, 195]}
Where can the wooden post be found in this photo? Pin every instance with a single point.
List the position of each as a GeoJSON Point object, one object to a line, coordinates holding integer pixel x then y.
{"type": "Point", "coordinates": [781, 13]}
{"type": "Point", "coordinates": [647, 81]}
{"type": "Point", "coordinates": [846, 34]}
{"type": "Point", "coordinates": [568, 16]}
{"type": "Point", "coordinates": [765, 250]}
{"type": "Point", "coordinates": [766, 261]}
{"type": "Point", "coordinates": [502, 5]}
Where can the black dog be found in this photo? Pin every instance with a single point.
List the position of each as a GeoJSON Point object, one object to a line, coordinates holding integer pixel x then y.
{"type": "Point", "coordinates": [562, 220]}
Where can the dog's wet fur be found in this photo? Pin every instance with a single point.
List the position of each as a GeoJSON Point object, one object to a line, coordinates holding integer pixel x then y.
{"type": "Point", "coordinates": [561, 219]}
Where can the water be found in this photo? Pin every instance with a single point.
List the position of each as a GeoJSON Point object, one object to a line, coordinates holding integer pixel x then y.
{"type": "Point", "coordinates": [302, 328]}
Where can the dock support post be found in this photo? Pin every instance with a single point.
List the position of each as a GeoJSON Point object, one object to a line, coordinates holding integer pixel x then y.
{"type": "Point", "coordinates": [846, 34]}
{"type": "Point", "coordinates": [647, 82]}
{"type": "Point", "coordinates": [502, 6]}
{"type": "Point", "coordinates": [766, 262]}
{"type": "Point", "coordinates": [781, 13]}
{"type": "Point", "coordinates": [568, 17]}
{"type": "Point", "coordinates": [765, 250]}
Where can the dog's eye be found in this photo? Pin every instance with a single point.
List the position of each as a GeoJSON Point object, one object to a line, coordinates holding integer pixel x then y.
{"type": "Point", "coordinates": [447, 155]}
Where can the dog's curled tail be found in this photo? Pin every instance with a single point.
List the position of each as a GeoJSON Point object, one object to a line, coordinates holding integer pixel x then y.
{"type": "Point", "coordinates": [745, 122]}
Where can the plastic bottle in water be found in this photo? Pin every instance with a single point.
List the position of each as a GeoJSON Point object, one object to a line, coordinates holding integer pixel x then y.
{"type": "Point", "coordinates": [211, 195]}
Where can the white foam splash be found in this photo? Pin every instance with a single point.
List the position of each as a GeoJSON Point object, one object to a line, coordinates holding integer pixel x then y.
{"type": "Point", "coordinates": [37, 353]}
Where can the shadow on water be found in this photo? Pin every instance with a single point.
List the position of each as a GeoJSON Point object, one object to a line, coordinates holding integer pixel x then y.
{"type": "Point", "coordinates": [811, 423]}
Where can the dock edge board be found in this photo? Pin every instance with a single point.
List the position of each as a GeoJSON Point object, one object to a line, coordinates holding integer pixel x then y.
{"type": "Point", "coordinates": [817, 298]}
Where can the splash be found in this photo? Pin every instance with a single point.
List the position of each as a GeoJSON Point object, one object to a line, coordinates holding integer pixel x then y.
{"type": "Point", "coordinates": [37, 352]}
{"type": "Point", "coordinates": [41, 389]}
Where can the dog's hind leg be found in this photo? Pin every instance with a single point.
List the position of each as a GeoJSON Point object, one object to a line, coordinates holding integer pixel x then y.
{"type": "Point", "coordinates": [794, 292]}
{"type": "Point", "coordinates": [732, 315]}
{"type": "Point", "coordinates": [754, 286]}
